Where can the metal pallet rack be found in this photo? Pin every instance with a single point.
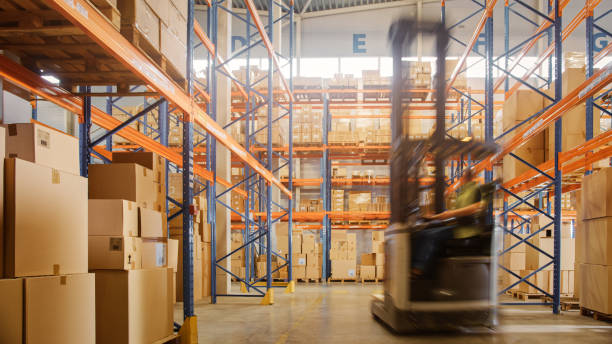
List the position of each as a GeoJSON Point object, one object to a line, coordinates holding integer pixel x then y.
{"type": "Point", "coordinates": [257, 227]}
{"type": "Point", "coordinates": [188, 105]}
{"type": "Point", "coordinates": [547, 176]}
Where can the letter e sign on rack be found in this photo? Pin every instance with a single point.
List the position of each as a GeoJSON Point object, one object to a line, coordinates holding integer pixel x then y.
{"type": "Point", "coordinates": [359, 43]}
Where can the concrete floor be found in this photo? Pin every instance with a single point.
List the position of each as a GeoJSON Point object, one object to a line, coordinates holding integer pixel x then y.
{"type": "Point", "coordinates": [340, 313]}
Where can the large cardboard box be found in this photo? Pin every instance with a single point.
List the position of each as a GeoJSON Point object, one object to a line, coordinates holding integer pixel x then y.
{"type": "Point", "coordinates": [344, 269]}
{"type": "Point", "coordinates": [313, 272]}
{"type": "Point", "coordinates": [149, 160]}
{"type": "Point", "coordinates": [160, 8]}
{"type": "Point", "coordinates": [596, 195]}
{"type": "Point", "coordinates": [197, 270]}
{"type": "Point", "coordinates": [535, 259]}
{"type": "Point", "coordinates": [514, 260]}
{"type": "Point", "coordinates": [137, 14]}
{"type": "Point", "coordinates": [115, 253]}
{"type": "Point", "coordinates": [133, 306]}
{"type": "Point", "coordinates": [510, 241]}
{"type": "Point", "coordinates": [2, 152]}
{"type": "Point", "coordinates": [113, 217]}
{"type": "Point", "coordinates": [151, 224]}
{"type": "Point", "coordinates": [299, 259]}
{"type": "Point", "coordinates": [596, 287]}
{"type": "Point", "coordinates": [60, 309]}
{"type": "Point", "coordinates": [309, 243]}
{"type": "Point", "coordinates": [367, 272]}
{"type": "Point", "coordinates": [173, 246]}
{"type": "Point", "coordinates": [206, 269]}
{"type": "Point", "coordinates": [154, 253]}
{"type": "Point", "coordinates": [11, 314]}
{"type": "Point", "coordinates": [172, 47]}
{"type": "Point", "coordinates": [45, 221]}
{"type": "Point", "coordinates": [368, 259]}
{"type": "Point", "coordinates": [380, 271]}
{"type": "Point", "coordinates": [378, 235]}
{"type": "Point", "coordinates": [597, 235]}
{"type": "Point", "coordinates": [43, 145]}
{"type": "Point", "coordinates": [124, 181]}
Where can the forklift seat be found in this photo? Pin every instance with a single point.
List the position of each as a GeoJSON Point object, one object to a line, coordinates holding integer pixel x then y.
{"type": "Point", "coordinates": [473, 246]}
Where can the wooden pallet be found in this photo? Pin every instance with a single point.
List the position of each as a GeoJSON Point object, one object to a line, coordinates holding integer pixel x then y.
{"type": "Point", "coordinates": [109, 10]}
{"type": "Point", "coordinates": [521, 295]}
{"type": "Point", "coordinates": [309, 280]}
{"type": "Point", "coordinates": [376, 280]}
{"type": "Point", "coordinates": [172, 339]}
{"type": "Point", "coordinates": [595, 314]}
{"type": "Point", "coordinates": [341, 280]}
{"type": "Point", "coordinates": [570, 305]}
{"type": "Point", "coordinates": [132, 34]}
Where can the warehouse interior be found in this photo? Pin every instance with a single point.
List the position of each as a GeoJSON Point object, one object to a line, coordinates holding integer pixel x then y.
{"type": "Point", "coordinates": [289, 171]}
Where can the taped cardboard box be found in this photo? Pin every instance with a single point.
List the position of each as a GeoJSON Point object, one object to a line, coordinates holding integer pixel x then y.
{"type": "Point", "coordinates": [535, 259]}
{"type": "Point", "coordinates": [113, 217]}
{"type": "Point", "coordinates": [43, 145]}
{"type": "Point", "coordinates": [368, 259]}
{"type": "Point", "coordinates": [173, 246]}
{"type": "Point", "coordinates": [514, 260]}
{"type": "Point", "coordinates": [154, 253]}
{"type": "Point", "coordinates": [367, 272]}
{"type": "Point", "coordinates": [136, 14]}
{"type": "Point", "coordinates": [380, 271]}
{"type": "Point", "coordinates": [2, 152]}
{"type": "Point", "coordinates": [131, 182]}
{"type": "Point", "coordinates": [150, 224]}
{"type": "Point", "coordinates": [596, 195]}
{"type": "Point", "coordinates": [60, 309]}
{"type": "Point", "coordinates": [11, 316]}
{"type": "Point", "coordinates": [148, 160]}
{"type": "Point", "coordinates": [115, 253]}
{"type": "Point", "coordinates": [117, 293]}
{"type": "Point", "coordinates": [344, 269]}
{"type": "Point", "coordinates": [54, 240]}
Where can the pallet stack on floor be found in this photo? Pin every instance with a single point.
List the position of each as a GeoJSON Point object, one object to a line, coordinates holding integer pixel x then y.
{"type": "Point", "coordinates": [129, 249]}
{"type": "Point", "coordinates": [343, 255]}
{"type": "Point", "coordinates": [372, 265]}
{"type": "Point", "coordinates": [594, 244]}
{"type": "Point", "coordinates": [47, 294]}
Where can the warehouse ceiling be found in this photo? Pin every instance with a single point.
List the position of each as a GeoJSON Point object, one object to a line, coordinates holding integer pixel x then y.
{"type": "Point", "coordinates": [304, 6]}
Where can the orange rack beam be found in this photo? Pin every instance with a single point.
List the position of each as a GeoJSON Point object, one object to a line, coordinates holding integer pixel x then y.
{"type": "Point", "coordinates": [83, 15]}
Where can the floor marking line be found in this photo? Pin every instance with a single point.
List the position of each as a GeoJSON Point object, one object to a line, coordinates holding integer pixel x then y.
{"type": "Point", "coordinates": [283, 338]}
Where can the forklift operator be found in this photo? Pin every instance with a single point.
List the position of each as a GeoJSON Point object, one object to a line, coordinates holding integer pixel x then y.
{"type": "Point", "coordinates": [469, 210]}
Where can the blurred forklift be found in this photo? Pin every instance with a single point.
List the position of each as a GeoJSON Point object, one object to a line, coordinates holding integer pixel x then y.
{"type": "Point", "coordinates": [440, 269]}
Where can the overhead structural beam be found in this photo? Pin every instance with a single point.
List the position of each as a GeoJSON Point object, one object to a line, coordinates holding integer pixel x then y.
{"type": "Point", "coordinates": [97, 27]}
{"type": "Point", "coordinates": [363, 8]}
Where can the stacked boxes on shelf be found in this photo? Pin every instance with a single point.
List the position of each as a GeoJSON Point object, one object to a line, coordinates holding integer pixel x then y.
{"type": "Point", "coordinates": [535, 259]}
{"type": "Point", "coordinates": [337, 200]}
{"type": "Point", "coordinates": [47, 294]}
{"type": "Point", "coordinates": [307, 126]}
{"type": "Point", "coordinates": [343, 255]}
{"type": "Point", "coordinates": [342, 82]}
{"type": "Point", "coordinates": [594, 242]}
{"type": "Point", "coordinates": [520, 106]}
{"type": "Point", "coordinates": [373, 81]}
{"type": "Point", "coordinates": [159, 29]}
{"type": "Point", "coordinates": [310, 205]}
{"type": "Point", "coordinates": [130, 254]}
{"type": "Point", "coordinates": [378, 247]}
{"type": "Point", "coordinates": [304, 83]}
{"type": "Point", "coordinates": [460, 81]}
{"type": "Point", "coordinates": [359, 201]}
{"type": "Point", "coordinates": [237, 263]}
{"type": "Point", "coordinates": [365, 133]}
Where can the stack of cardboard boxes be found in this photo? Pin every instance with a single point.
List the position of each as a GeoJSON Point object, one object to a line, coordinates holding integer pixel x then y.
{"type": "Point", "coordinates": [47, 294]}
{"type": "Point", "coordinates": [418, 73]}
{"type": "Point", "coordinates": [305, 83]}
{"type": "Point", "coordinates": [594, 242]}
{"type": "Point", "coordinates": [373, 264]}
{"type": "Point", "coordinates": [373, 81]}
{"type": "Point", "coordinates": [307, 126]}
{"type": "Point", "coordinates": [343, 255]}
{"type": "Point", "coordinates": [162, 25]}
{"type": "Point", "coordinates": [342, 82]}
{"type": "Point", "coordinates": [129, 250]}
{"type": "Point", "coordinates": [460, 80]}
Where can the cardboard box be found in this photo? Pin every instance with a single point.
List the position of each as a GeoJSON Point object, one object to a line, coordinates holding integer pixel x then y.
{"type": "Point", "coordinates": [197, 270]}
{"type": "Point", "coordinates": [378, 235]}
{"type": "Point", "coordinates": [2, 152]}
{"type": "Point", "coordinates": [534, 259]}
{"type": "Point", "coordinates": [510, 241]}
{"type": "Point", "coordinates": [596, 287]}
{"type": "Point", "coordinates": [597, 235]}
{"type": "Point", "coordinates": [596, 195]}
{"type": "Point", "coordinates": [148, 160]}
{"type": "Point", "coordinates": [173, 246]}
{"type": "Point", "coordinates": [45, 221]}
{"type": "Point", "coordinates": [368, 259]}
{"type": "Point", "coordinates": [172, 47]}
{"type": "Point", "coordinates": [299, 259]}
{"type": "Point", "coordinates": [137, 14]}
{"type": "Point", "coordinates": [154, 253]}
{"type": "Point", "coordinates": [43, 145]}
{"type": "Point", "coordinates": [60, 309]}
{"type": "Point", "coordinates": [296, 244]}
{"type": "Point", "coordinates": [380, 271]}
{"type": "Point", "coordinates": [378, 246]}
{"type": "Point", "coordinates": [338, 235]}
{"type": "Point", "coordinates": [206, 269]}
{"type": "Point", "coordinates": [380, 258]}
{"type": "Point", "coordinates": [115, 253]}
{"type": "Point", "coordinates": [11, 316]}
{"type": "Point", "coordinates": [150, 224]}
{"type": "Point", "coordinates": [367, 272]}
{"type": "Point", "coordinates": [312, 259]}
{"type": "Point", "coordinates": [344, 269]}
{"type": "Point", "coordinates": [118, 320]}
{"type": "Point", "coordinates": [131, 182]}
{"type": "Point", "coordinates": [514, 260]}
{"type": "Point", "coordinates": [160, 8]}
{"type": "Point", "coordinates": [313, 272]}
{"type": "Point", "coordinates": [282, 244]}
{"type": "Point", "coordinates": [113, 217]}
{"type": "Point", "coordinates": [309, 243]}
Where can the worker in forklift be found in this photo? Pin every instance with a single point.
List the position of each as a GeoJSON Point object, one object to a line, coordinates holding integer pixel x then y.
{"type": "Point", "coordinates": [469, 210]}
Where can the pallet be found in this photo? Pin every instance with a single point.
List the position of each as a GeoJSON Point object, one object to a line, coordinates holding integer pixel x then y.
{"type": "Point", "coordinates": [172, 339]}
{"type": "Point", "coordinates": [521, 295]}
{"type": "Point", "coordinates": [563, 298]}
{"type": "Point", "coordinates": [570, 305]}
{"type": "Point", "coordinates": [375, 280]}
{"type": "Point", "coordinates": [595, 314]}
{"type": "Point", "coordinates": [132, 34]}
{"type": "Point", "coordinates": [342, 280]}
{"type": "Point", "coordinates": [109, 11]}
{"type": "Point", "coordinates": [309, 280]}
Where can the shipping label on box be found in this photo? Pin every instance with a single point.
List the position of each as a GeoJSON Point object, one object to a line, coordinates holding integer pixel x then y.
{"type": "Point", "coordinates": [154, 253]}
